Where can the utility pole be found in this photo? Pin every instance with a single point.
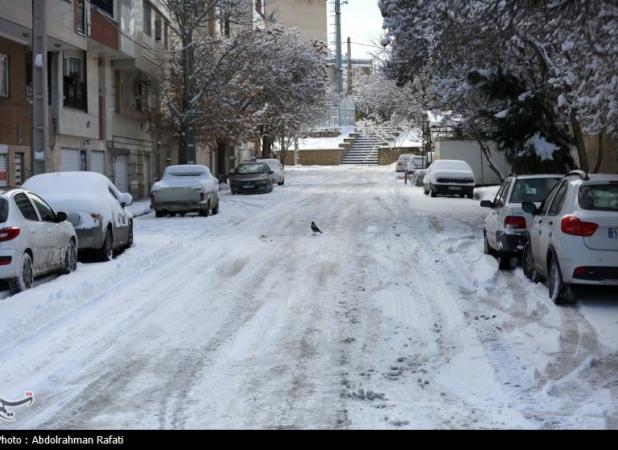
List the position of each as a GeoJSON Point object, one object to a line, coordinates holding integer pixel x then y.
{"type": "Point", "coordinates": [338, 62]}
{"type": "Point", "coordinates": [41, 157]}
{"type": "Point", "coordinates": [349, 65]}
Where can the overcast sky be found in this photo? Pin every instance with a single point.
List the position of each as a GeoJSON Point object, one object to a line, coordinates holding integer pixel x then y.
{"type": "Point", "coordinates": [362, 21]}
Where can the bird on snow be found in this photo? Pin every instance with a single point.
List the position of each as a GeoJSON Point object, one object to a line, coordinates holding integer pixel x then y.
{"type": "Point", "coordinates": [315, 228]}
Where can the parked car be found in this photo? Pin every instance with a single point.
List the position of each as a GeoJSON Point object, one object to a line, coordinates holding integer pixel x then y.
{"type": "Point", "coordinates": [183, 189]}
{"type": "Point", "coordinates": [449, 177]}
{"type": "Point", "coordinates": [277, 175]}
{"type": "Point", "coordinates": [34, 239]}
{"type": "Point", "coordinates": [95, 207]}
{"type": "Point", "coordinates": [573, 239]}
{"type": "Point", "coordinates": [251, 177]}
{"type": "Point", "coordinates": [402, 162]}
{"type": "Point", "coordinates": [504, 231]}
{"type": "Point", "coordinates": [416, 162]}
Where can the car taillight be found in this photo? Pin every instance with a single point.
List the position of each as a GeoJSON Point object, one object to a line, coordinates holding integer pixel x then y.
{"type": "Point", "coordinates": [202, 196]}
{"type": "Point", "coordinates": [6, 234]}
{"type": "Point", "coordinates": [573, 225]}
{"type": "Point", "coordinates": [517, 222]}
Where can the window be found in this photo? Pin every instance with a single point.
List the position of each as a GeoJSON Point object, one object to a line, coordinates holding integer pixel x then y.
{"type": "Point", "coordinates": [499, 200]}
{"type": "Point", "coordinates": [80, 16]}
{"type": "Point", "coordinates": [157, 26]}
{"type": "Point", "coordinates": [532, 189]}
{"type": "Point", "coordinates": [165, 31]}
{"type": "Point", "coordinates": [74, 82]}
{"type": "Point", "coordinates": [547, 201]}
{"type": "Point", "coordinates": [25, 207]}
{"type": "Point", "coordinates": [556, 205]}
{"type": "Point", "coordinates": [105, 5]}
{"type": "Point", "coordinates": [83, 160]}
{"type": "Point", "coordinates": [147, 18]}
{"type": "Point", "coordinates": [4, 75]}
{"type": "Point", "coordinates": [45, 211]}
{"type": "Point", "coordinates": [598, 197]}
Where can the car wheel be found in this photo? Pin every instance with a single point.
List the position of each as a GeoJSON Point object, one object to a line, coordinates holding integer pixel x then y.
{"type": "Point", "coordinates": [470, 196]}
{"type": "Point", "coordinates": [504, 261]}
{"type": "Point", "coordinates": [215, 210]}
{"type": "Point", "coordinates": [559, 292]}
{"type": "Point", "coordinates": [25, 277]}
{"type": "Point", "coordinates": [159, 213]}
{"type": "Point", "coordinates": [205, 212]}
{"type": "Point", "coordinates": [431, 191]}
{"type": "Point", "coordinates": [527, 262]}
{"type": "Point", "coordinates": [486, 248]}
{"type": "Point", "coordinates": [282, 182]}
{"type": "Point", "coordinates": [130, 236]}
{"type": "Point", "coordinates": [106, 252]}
{"type": "Point", "coordinates": [172, 214]}
{"type": "Point", "coordinates": [70, 258]}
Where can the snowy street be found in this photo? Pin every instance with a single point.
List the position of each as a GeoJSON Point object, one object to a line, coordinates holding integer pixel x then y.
{"type": "Point", "coordinates": [392, 318]}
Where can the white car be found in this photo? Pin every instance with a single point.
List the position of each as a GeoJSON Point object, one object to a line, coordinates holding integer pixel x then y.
{"type": "Point", "coordinates": [277, 175]}
{"type": "Point", "coordinates": [185, 188]}
{"type": "Point", "coordinates": [416, 162]}
{"type": "Point", "coordinates": [402, 162]}
{"type": "Point", "coordinates": [95, 207]}
{"type": "Point", "coordinates": [449, 177]}
{"type": "Point", "coordinates": [34, 239]}
{"type": "Point", "coordinates": [504, 231]}
{"type": "Point", "coordinates": [573, 239]}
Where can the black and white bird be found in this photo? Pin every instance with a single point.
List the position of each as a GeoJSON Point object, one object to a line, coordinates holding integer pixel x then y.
{"type": "Point", "coordinates": [315, 228]}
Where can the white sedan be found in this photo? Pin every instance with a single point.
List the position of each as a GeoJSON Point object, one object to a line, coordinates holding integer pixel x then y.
{"type": "Point", "coordinates": [277, 170]}
{"type": "Point", "coordinates": [449, 177]}
{"type": "Point", "coordinates": [34, 239]}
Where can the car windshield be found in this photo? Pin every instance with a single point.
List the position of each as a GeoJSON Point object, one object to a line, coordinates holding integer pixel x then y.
{"type": "Point", "coordinates": [4, 210]}
{"type": "Point", "coordinates": [532, 189]}
{"type": "Point", "coordinates": [186, 174]}
{"type": "Point", "coordinates": [252, 168]}
{"type": "Point", "coordinates": [598, 197]}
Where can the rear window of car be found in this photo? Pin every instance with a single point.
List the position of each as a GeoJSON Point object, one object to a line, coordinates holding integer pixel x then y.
{"type": "Point", "coordinates": [186, 174]}
{"type": "Point", "coordinates": [4, 210]}
{"type": "Point", "coordinates": [532, 189]}
{"type": "Point", "coordinates": [598, 197]}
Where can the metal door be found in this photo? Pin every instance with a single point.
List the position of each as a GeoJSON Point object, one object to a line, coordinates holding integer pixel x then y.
{"type": "Point", "coordinates": [121, 173]}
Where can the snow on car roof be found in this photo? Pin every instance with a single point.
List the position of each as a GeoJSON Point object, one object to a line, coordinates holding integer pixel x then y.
{"type": "Point", "coordinates": [184, 169]}
{"type": "Point", "coordinates": [452, 163]}
{"type": "Point", "coordinates": [61, 182]}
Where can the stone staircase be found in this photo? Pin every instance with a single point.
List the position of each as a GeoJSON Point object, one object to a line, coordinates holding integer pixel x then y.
{"type": "Point", "coordinates": [364, 151]}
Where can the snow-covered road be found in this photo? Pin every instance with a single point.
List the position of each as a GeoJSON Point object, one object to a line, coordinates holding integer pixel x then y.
{"type": "Point", "coordinates": [393, 318]}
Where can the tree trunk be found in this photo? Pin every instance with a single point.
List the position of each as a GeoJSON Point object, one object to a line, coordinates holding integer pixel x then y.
{"type": "Point", "coordinates": [579, 142]}
{"type": "Point", "coordinates": [187, 125]}
{"type": "Point", "coordinates": [597, 164]}
{"type": "Point", "coordinates": [266, 147]}
{"type": "Point", "coordinates": [486, 151]}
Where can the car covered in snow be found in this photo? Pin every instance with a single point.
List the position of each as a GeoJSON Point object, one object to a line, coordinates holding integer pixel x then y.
{"type": "Point", "coordinates": [449, 177]}
{"type": "Point", "coordinates": [402, 162]}
{"type": "Point", "coordinates": [415, 163]}
{"type": "Point", "coordinates": [34, 239]}
{"type": "Point", "coordinates": [185, 188]}
{"type": "Point", "coordinates": [277, 168]}
{"type": "Point", "coordinates": [504, 230]}
{"type": "Point", "coordinates": [251, 177]}
{"type": "Point", "coordinates": [573, 238]}
{"type": "Point", "coordinates": [95, 207]}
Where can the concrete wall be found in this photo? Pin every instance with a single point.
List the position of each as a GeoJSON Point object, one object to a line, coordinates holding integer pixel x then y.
{"type": "Point", "coordinates": [470, 151]}
{"type": "Point", "coordinates": [308, 15]}
{"type": "Point", "coordinates": [609, 163]}
{"type": "Point", "coordinates": [388, 155]}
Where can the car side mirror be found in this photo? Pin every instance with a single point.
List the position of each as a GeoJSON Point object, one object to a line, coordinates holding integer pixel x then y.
{"type": "Point", "coordinates": [126, 199]}
{"type": "Point", "coordinates": [530, 208]}
{"type": "Point", "coordinates": [61, 216]}
{"type": "Point", "coordinates": [271, 171]}
{"type": "Point", "coordinates": [487, 204]}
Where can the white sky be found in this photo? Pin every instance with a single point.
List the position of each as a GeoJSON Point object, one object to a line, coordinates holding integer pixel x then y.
{"type": "Point", "coordinates": [362, 21]}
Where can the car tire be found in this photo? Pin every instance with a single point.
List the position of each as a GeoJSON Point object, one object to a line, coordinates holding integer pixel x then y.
{"type": "Point", "coordinates": [471, 196]}
{"type": "Point", "coordinates": [559, 292]}
{"type": "Point", "coordinates": [129, 236]}
{"type": "Point", "coordinates": [205, 211]}
{"type": "Point", "coordinates": [504, 261]}
{"type": "Point", "coordinates": [172, 214]}
{"type": "Point", "coordinates": [486, 247]}
{"type": "Point", "coordinates": [431, 191]}
{"type": "Point", "coordinates": [527, 263]}
{"type": "Point", "coordinates": [25, 278]}
{"type": "Point", "coordinates": [106, 252]}
{"type": "Point", "coordinates": [159, 213]}
{"type": "Point", "coordinates": [215, 210]}
{"type": "Point", "coordinates": [282, 182]}
{"type": "Point", "coordinates": [70, 259]}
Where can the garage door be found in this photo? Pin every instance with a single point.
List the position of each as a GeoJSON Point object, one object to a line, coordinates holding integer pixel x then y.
{"type": "Point", "coordinates": [69, 160]}
{"type": "Point", "coordinates": [97, 161]}
{"type": "Point", "coordinates": [121, 173]}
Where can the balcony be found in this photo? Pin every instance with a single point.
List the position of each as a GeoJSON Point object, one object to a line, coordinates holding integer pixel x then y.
{"type": "Point", "coordinates": [104, 35]}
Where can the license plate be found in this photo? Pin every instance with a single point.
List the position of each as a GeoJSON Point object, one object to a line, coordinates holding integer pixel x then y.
{"type": "Point", "coordinates": [455, 188]}
{"type": "Point", "coordinates": [613, 233]}
{"type": "Point", "coordinates": [248, 186]}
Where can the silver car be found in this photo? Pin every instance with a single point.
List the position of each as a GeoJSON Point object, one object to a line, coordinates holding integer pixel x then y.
{"type": "Point", "coordinates": [277, 175]}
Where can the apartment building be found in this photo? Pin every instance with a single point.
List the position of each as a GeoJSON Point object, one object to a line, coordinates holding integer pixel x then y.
{"type": "Point", "coordinates": [104, 65]}
{"type": "Point", "coordinates": [309, 16]}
